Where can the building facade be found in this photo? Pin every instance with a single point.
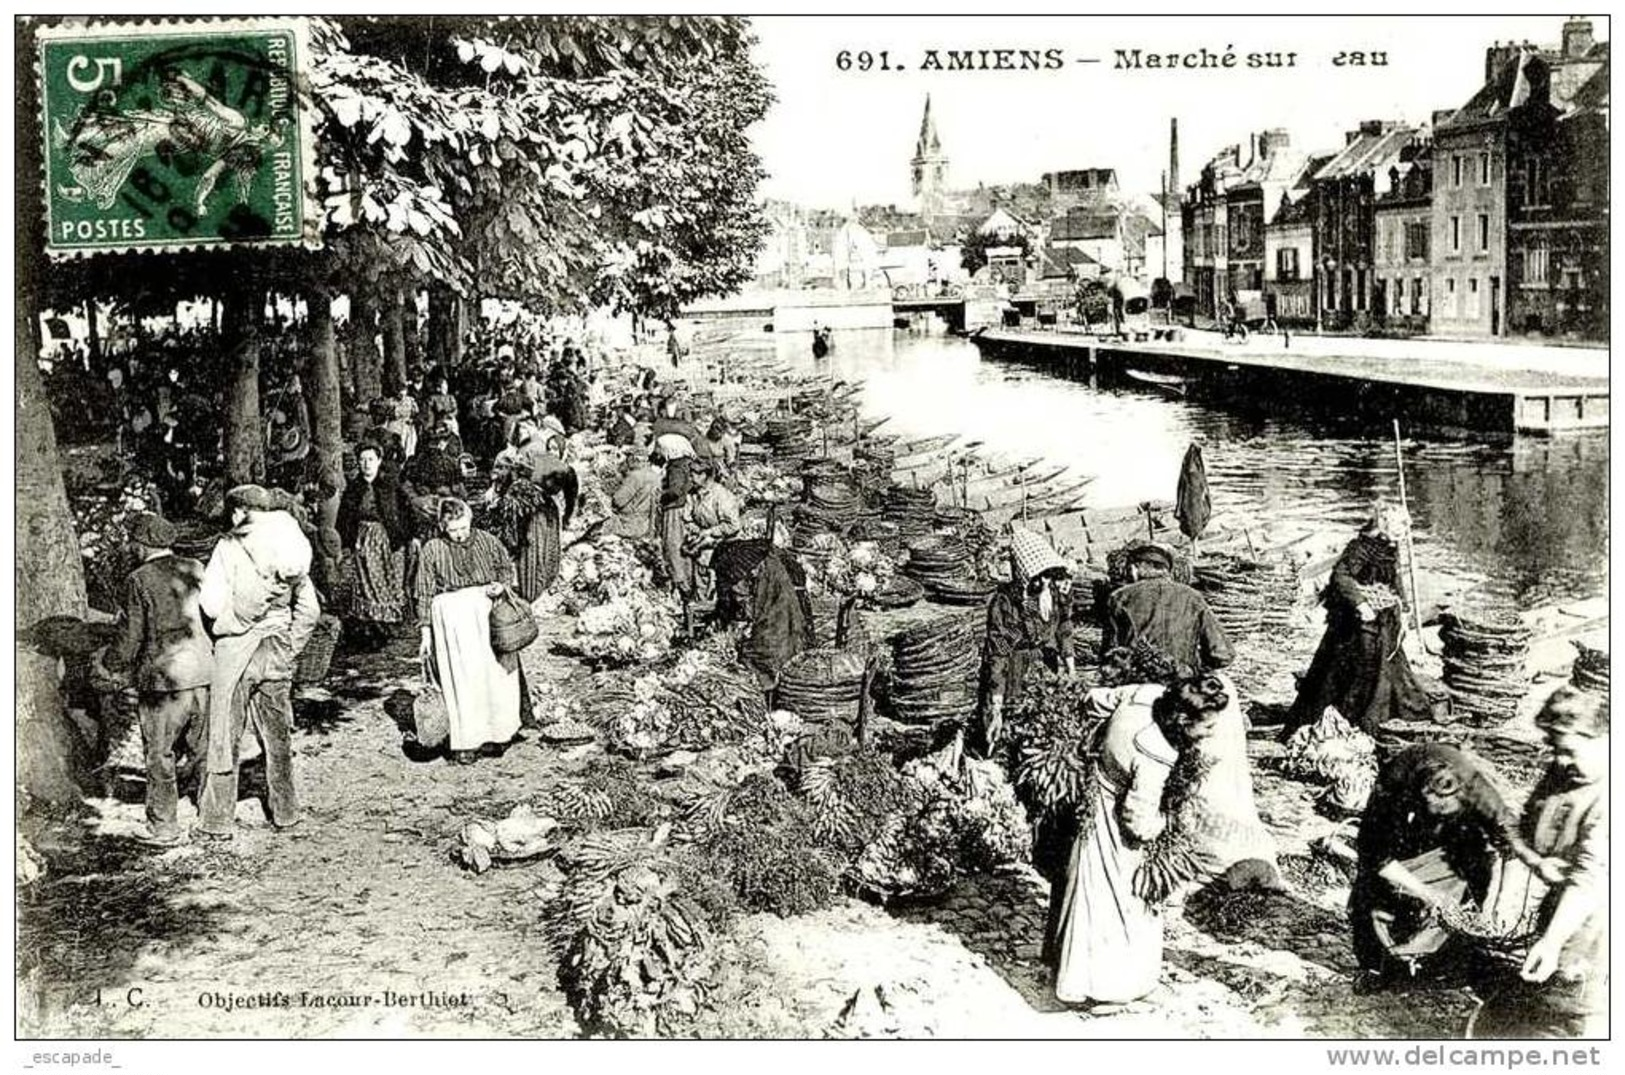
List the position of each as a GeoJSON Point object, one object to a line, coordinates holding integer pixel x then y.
{"type": "Point", "coordinates": [1289, 262]}
{"type": "Point", "coordinates": [1403, 293]}
{"type": "Point", "coordinates": [1520, 204]}
{"type": "Point", "coordinates": [1346, 191]}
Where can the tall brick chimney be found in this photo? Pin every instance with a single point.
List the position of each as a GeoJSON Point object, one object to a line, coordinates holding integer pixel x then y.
{"type": "Point", "coordinates": [1273, 141]}
{"type": "Point", "coordinates": [1173, 158]}
{"type": "Point", "coordinates": [1577, 39]}
{"type": "Point", "coordinates": [1496, 55]}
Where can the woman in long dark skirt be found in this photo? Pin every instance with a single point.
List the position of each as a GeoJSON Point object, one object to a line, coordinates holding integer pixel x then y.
{"type": "Point", "coordinates": [1360, 668]}
{"type": "Point", "coordinates": [374, 524]}
{"type": "Point", "coordinates": [526, 516]}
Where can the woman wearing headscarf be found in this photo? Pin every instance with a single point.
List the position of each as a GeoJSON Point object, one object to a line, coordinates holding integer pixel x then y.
{"type": "Point", "coordinates": [724, 441]}
{"type": "Point", "coordinates": [1561, 988]}
{"type": "Point", "coordinates": [459, 574]}
{"type": "Point", "coordinates": [403, 421]}
{"type": "Point", "coordinates": [1108, 934]}
{"type": "Point", "coordinates": [676, 484]}
{"type": "Point", "coordinates": [1360, 668]}
{"type": "Point", "coordinates": [1430, 837]}
{"type": "Point", "coordinates": [526, 514]}
{"type": "Point", "coordinates": [713, 517]}
{"type": "Point", "coordinates": [375, 524]}
{"type": "Point", "coordinates": [1029, 619]}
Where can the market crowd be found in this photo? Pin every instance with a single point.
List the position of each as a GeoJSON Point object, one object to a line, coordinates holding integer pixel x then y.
{"type": "Point", "coordinates": [465, 488]}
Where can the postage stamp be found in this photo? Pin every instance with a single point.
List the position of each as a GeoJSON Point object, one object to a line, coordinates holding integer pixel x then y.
{"type": "Point", "coordinates": [172, 135]}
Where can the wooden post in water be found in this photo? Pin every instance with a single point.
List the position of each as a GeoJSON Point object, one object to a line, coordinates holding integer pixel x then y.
{"type": "Point", "coordinates": [1410, 546]}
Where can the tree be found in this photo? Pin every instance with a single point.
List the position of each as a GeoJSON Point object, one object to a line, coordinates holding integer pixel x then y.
{"type": "Point", "coordinates": [973, 252]}
{"type": "Point", "coordinates": [50, 575]}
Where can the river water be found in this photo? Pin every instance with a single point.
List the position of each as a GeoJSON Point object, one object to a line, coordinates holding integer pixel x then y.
{"type": "Point", "coordinates": [1522, 521]}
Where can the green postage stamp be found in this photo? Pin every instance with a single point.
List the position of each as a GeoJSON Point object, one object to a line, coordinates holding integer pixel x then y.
{"type": "Point", "coordinates": [177, 135]}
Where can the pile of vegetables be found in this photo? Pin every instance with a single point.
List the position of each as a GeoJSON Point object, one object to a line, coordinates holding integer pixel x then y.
{"type": "Point", "coordinates": [1333, 752]}
{"type": "Point", "coordinates": [598, 571]}
{"type": "Point", "coordinates": [705, 699]}
{"type": "Point", "coordinates": [858, 571]}
{"type": "Point", "coordinates": [959, 817]}
{"type": "Point", "coordinates": [636, 627]}
{"type": "Point", "coordinates": [763, 483]}
{"type": "Point", "coordinates": [763, 841]}
{"type": "Point", "coordinates": [635, 928]}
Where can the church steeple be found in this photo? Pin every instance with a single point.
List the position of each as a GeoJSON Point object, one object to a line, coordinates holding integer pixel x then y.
{"type": "Point", "coordinates": [927, 145]}
{"type": "Point", "coordinates": [928, 171]}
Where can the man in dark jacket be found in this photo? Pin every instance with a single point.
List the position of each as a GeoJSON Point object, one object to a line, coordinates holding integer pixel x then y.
{"type": "Point", "coordinates": [161, 645]}
{"type": "Point", "coordinates": [1167, 615]}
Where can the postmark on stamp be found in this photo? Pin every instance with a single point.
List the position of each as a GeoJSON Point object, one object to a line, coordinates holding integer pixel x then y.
{"type": "Point", "coordinates": [168, 136]}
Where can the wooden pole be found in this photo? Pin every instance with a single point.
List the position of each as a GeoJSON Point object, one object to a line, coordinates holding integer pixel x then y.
{"type": "Point", "coordinates": [1410, 545]}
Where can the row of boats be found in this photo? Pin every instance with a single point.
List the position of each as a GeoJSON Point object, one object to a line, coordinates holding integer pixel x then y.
{"type": "Point", "coordinates": [961, 472]}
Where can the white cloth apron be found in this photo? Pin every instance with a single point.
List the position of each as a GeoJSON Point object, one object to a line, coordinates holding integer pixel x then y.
{"type": "Point", "coordinates": [1111, 940]}
{"type": "Point", "coordinates": [482, 697]}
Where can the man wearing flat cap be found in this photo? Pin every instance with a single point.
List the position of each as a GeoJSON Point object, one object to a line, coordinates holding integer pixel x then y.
{"type": "Point", "coordinates": [161, 645]}
{"type": "Point", "coordinates": [1166, 614]}
{"type": "Point", "coordinates": [258, 593]}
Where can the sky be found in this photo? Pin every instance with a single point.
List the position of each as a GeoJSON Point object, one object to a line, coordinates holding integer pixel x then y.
{"type": "Point", "coordinates": [837, 137]}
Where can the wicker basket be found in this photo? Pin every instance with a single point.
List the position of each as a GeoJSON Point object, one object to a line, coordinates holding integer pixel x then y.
{"type": "Point", "coordinates": [317, 657]}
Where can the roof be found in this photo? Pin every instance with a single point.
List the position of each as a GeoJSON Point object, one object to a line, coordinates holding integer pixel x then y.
{"type": "Point", "coordinates": [1077, 226]}
{"type": "Point", "coordinates": [999, 220]}
{"type": "Point", "coordinates": [1293, 213]}
{"type": "Point", "coordinates": [1062, 260]}
{"type": "Point", "coordinates": [1593, 93]}
{"type": "Point", "coordinates": [1311, 169]}
{"type": "Point", "coordinates": [1506, 89]}
{"type": "Point", "coordinates": [911, 237]}
{"type": "Point", "coordinates": [1367, 153]}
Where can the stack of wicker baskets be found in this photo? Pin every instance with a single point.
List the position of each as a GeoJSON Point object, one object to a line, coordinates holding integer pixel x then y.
{"type": "Point", "coordinates": [830, 505]}
{"type": "Point", "coordinates": [1246, 596]}
{"type": "Point", "coordinates": [935, 668]}
{"type": "Point", "coordinates": [1484, 665]}
{"type": "Point", "coordinates": [913, 510]}
{"type": "Point", "coordinates": [789, 436]}
{"type": "Point", "coordinates": [942, 564]}
{"type": "Point", "coordinates": [824, 685]}
{"type": "Point", "coordinates": [1590, 669]}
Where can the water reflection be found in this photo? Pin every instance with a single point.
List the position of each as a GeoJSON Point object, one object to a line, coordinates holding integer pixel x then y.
{"type": "Point", "coordinates": [1525, 520]}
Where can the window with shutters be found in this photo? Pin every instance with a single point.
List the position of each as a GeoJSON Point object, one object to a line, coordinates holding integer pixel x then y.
{"type": "Point", "coordinates": [1416, 242]}
{"type": "Point", "coordinates": [1535, 265]}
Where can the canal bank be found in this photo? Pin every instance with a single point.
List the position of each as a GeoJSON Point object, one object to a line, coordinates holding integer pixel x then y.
{"type": "Point", "coordinates": [1433, 385]}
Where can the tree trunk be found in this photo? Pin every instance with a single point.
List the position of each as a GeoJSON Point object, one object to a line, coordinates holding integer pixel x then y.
{"type": "Point", "coordinates": [442, 325]}
{"type": "Point", "coordinates": [93, 335]}
{"type": "Point", "coordinates": [413, 327]}
{"type": "Point", "coordinates": [50, 577]}
{"type": "Point", "coordinates": [244, 435]}
{"type": "Point", "coordinates": [393, 324]}
{"type": "Point", "coordinates": [459, 338]}
{"type": "Point", "coordinates": [328, 438]}
{"type": "Point", "coordinates": [364, 359]}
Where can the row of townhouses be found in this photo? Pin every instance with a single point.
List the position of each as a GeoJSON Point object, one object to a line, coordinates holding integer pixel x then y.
{"type": "Point", "coordinates": [1490, 220]}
